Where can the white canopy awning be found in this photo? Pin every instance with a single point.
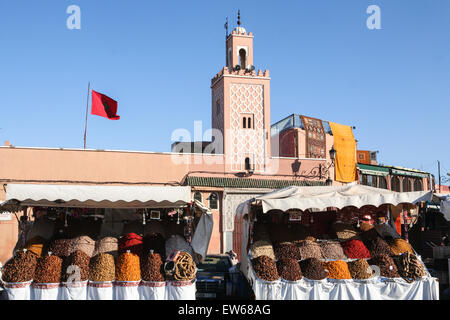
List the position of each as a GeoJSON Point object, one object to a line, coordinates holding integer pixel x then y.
{"type": "Point", "coordinates": [89, 196]}
{"type": "Point", "coordinates": [337, 196]}
{"type": "Point", "coordinates": [445, 206]}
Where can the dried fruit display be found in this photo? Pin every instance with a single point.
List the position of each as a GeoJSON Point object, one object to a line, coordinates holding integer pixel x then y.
{"type": "Point", "coordinates": [312, 268]}
{"type": "Point", "coordinates": [102, 268]}
{"type": "Point", "coordinates": [360, 269]}
{"type": "Point", "coordinates": [409, 267]}
{"type": "Point", "coordinates": [355, 249]}
{"type": "Point", "coordinates": [48, 269]}
{"type": "Point", "coordinates": [185, 268]}
{"type": "Point", "coordinates": [386, 264]}
{"type": "Point", "coordinates": [262, 248]}
{"type": "Point", "coordinates": [152, 268]}
{"type": "Point", "coordinates": [265, 268]}
{"type": "Point", "coordinates": [128, 267]}
{"type": "Point", "coordinates": [83, 243]}
{"type": "Point", "coordinates": [309, 249]}
{"type": "Point", "coordinates": [289, 269]}
{"type": "Point", "coordinates": [345, 231]}
{"type": "Point", "coordinates": [337, 269]}
{"type": "Point", "coordinates": [399, 246]}
{"type": "Point", "coordinates": [60, 247]}
{"type": "Point", "coordinates": [36, 245]}
{"type": "Point", "coordinates": [109, 245]}
{"type": "Point", "coordinates": [20, 268]}
{"type": "Point", "coordinates": [286, 250]}
{"type": "Point", "coordinates": [332, 250]}
{"type": "Point", "coordinates": [79, 259]}
{"type": "Point", "coordinates": [378, 247]}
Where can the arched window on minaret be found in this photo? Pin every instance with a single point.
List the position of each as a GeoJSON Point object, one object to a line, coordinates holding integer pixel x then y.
{"type": "Point", "coordinates": [249, 123]}
{"type": "Point", "coordinates": [242, 58]}
{"type": "Point", "coordinates": [247, 164]}
{"type": "Point", "coordinates": [244, 122]}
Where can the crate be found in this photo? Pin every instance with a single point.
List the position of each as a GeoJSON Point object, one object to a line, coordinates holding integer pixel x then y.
{"type": "Point", "coordinates": [441, 252]}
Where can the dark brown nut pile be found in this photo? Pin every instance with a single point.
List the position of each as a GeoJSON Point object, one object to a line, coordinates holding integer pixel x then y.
{"type": "Point", "coordinates": [378, 247]}
{"type": "Point", "coordinates": [102, 268]}
{"type": "Point", "coordinates": [332, 250]}
{"type": "Point", "coordinates": [309, 249]}
{"type": "Point", "coordinates": [409, 267]}
{"type": "Point", "coordinates": [289, 269]}
{"type": "Point", "coordinates": [387, 266]}
{"type": "Point", "coordinates": [155, 242]}
{"type": "Point", "coordinates": [79, 259]}
{"type": "Point", "coordinates": [152, 268]}
{"type": "Point", "coordinates": [109, 245]}
{"type": "Point", "coordinates": [83, 243]}
{"type": "Point", "coordinates": [360, 269]}
{"type": "Point", "coordinates": [286, 250]}
{"type": "Point", "coordinates": [265, 268]}
{"type": "Point", "coordinates": [312, 268]}
{"type": "Point", "coordinates": [48, 269]}
{"type": "Point", "coordinates": [60, 247]}
{"type": "Point", "coordinates": [20, 268]}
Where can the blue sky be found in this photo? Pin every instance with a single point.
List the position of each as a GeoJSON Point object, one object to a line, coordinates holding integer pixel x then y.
{"type": "Point", "coordinates": [157, 58]}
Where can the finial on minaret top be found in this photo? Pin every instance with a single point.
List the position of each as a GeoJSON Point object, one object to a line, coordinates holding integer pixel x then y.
{"type": "Point", "coordinates": [239, 18]}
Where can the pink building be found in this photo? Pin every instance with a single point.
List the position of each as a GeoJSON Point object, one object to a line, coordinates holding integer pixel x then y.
{"type": "Point", "coordinates": [241, 161]}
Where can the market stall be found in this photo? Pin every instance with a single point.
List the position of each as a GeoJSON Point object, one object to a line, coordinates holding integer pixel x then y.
{"type": "Point", "coordinates": [106, 243]}
{"type": "Point", "coordinates": [332, 243]}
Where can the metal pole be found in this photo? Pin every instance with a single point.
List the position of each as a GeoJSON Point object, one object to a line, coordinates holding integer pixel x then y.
{"type": "Point", "coordinates": [87, 110]}
{"type": "Point", "coordinates": [439, 174]}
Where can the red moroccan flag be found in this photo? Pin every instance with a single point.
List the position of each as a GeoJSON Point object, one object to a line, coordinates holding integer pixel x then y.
{"type": "Point", "coordinates": [104, 106]}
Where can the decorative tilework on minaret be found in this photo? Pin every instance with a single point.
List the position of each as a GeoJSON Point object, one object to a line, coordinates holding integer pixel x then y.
{"type": "Point", "coordinates": [241, 105]}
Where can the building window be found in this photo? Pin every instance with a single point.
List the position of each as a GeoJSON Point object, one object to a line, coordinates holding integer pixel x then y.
{"type": "Point", "coordinates": [213, 201]}
{"type": "Point", "coordinates": [247, 121]}
{"type": "Point", "coordinates": [242, 58]}
{"type": "Point", "coordinates": [395, 183]}
{"type": "Point", "coordinates": [247, 164]}
{"type": "Point", "coordinates": [382, 183]}
{"type": "Point", "coordinates": [418, 185]}
{"type": "Point", "coordinates": [198, 196]}
{"type": "Point", "coordinates": [406, 186]}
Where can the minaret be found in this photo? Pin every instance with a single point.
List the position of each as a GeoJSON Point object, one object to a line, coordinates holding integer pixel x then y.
{"type": "Point", "coordinates": [241, 105]}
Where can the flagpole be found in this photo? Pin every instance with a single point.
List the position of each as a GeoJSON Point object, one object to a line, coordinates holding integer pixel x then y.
{"type": "Point", "coordinates": [87, 110]}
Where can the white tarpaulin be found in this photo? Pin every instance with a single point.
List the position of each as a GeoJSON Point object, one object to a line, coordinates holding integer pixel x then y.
{"type": "Point", "coordinates": [377, 288]}
{"type": "Point", "coordinates": [336, 196]}
{"type": "Point", "coordinates": [89, 196]}
{"type": "Point", "coordinates": [203, 231]}
{"type": "Point", "coordinates": [445, 206]}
